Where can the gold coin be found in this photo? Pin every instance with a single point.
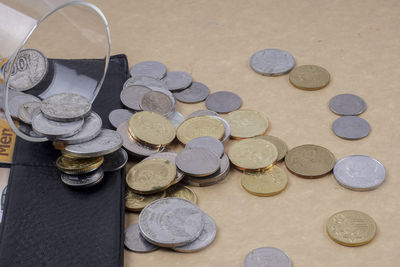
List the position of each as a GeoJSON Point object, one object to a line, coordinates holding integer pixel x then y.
{"type": "Point", "coordinates": [246, 123]}
{"type": "Point", "coordinates": [78, 165]}
{"type": "Point", "coordinates": [151, 128]}
{"type": "Point", "coordinates": [310, 161]}
{"type": "Point", "coordinates": [136, 202]}
{"type": "Point", "coordinates": [309, 77]}
{"type": "Point", "coordinates": [151, 176]}
{"type": "Point", "coordinates": [253, 154]}
{"type": "Point", "coordinates": [182, 191]}
{"type": "Point", "coordinates": [351, 228]}
{"type": "Point", "coordinates": [265, 183]}
{"type": "Point", "coordinates": [200, 126]}
{"type": "Point", "coordinates": [279, 144]}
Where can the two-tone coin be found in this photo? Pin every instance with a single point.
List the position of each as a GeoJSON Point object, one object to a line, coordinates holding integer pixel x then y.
{"type": "Point", "coordinates": [90, 129]}
{"type": "Point", "coordinates": [272, 62]}
{"type": "Point", "coordinates": [136, 202]}
{"type": "Point", "coordinates": [83, 180]}
{"type": "Point", "coordinates": [223, 102]}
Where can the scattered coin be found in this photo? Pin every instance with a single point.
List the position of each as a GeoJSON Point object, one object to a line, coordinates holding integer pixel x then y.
{"type": "Point", "coordinates": [279, 144]}
{"type": "Point", "coordinates": [246, 123]}
{"type": "Point", "coordinates": [136, 202]}
{"type": "Point", "coordinates": [177, 80]}
{"type": "Point", "coordinates": [200, 126]}
{"type": "Point", "coordinates": [360, 173]}
{"type": "Point", "coordinates": [170, 156]}
{"type": "Point", "coordinates": [347, 105]}
{"type": "Point", "coordinates": [267, 256]}
{"type": "Point", "coordinates": [65, 107]}
{"type": "Point", "coordinates": [115, 161]}
{"type": "Point", "coordinates": [132, 95]}
{"type": "Point", "coordinates": [157, 102]}
{"type": "Point", "coordinates": [203, 112]}
{"type": "Point", "coordinates": [135, 242]}
{"type": "Point", "coordinates": [265, 183]}
{"type": "Point", "coordinates": [16, 101]}
{"type": "Point", "coordinates": [351, 228]}
{"type": "Point", "coordinates": [309, 77]}
{"type": "Point", "coordinates": [351, 127]}
{"type": "Point", "coordinates": [198, 162]}
{"type": "Point", "coordinates": [176, 118]}
{"type": "Point", "coordinates": [182, 191]}
{"type": "Point", "coordinates": [272, 62]}
{"type": "Point", "coordinates": [152, 69]}
{"type": "Point", "coordinates": [195, 93]}
{"type": "Point", "coordinates": [54, 129]}
{"type": "Point", "coordinates": [207, 142]}
{"type": "Point", "coordinates": [75, 166]}
{"type": "Point", "coordinates": [83, 180]}
{"type": "Point", "coordinates": [26, 110]}
{"type": "Point", "coordinates": [118, 116]}
{"type": "Point", "coordinates": [223, 102]}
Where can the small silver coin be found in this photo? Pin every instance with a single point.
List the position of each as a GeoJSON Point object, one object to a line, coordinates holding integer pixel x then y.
{"type": "Point", "coordinates": [272, 62]}
{"type": "Point", "coordinates": [359, 173]}
{"type": "Point", "coordinates": [83, 180]}
{"type": "Point", "coordinates": [170, 156]}
{"type": "Point", "coordinates": [135, 242]}
{"type": "Point", "coordinates": [206, 237]}
{"type": "Point", "coordinates": [267, 256]}
{"type": "Point", "coordinates": [171, 222]}
{"type": "Point", "coordinates": [118, 116]}
{"type": "Point", "coordinates": [54, 129]}
{"type": "Point", "coordinates": [203, 112]}
{"type": "Point", "coordinates": [351, 127]}
{"type": "Point", "coordinates": [152, 69]}
{"type": "Point", "coordinates": [177, 80]}
{"type": "Point", "coordinates": [195, 93]}
{"type": "Point", "coordinates": [115, 161]}
{"type": "Point", "coordinates": [176, 118]}
{"type": "Point", "coordinates": [105, 143]}
{"type": "Point", "coordinates": [347, 105]}
{"type": "Point", "coordinates": [223, 102]}
{"type": "Point", "coordinates": [227, 133]}
{"type": "Point", "coordinates": [157, 102]}
{"type": "Point", "coordinates": [66, 107]}
{"type": "Point", "coordinates": [16, 101]}
{"type": "Point", "coordinates": [26, 110]}
{"type": "Point", "coordinates": [198, 162]}
{"type": "Point", "coordinates": [90, 129]}
{"type": "Point", "coordinates": [207, 142]}
{"type": "Point", "coordinates": [132, 95]}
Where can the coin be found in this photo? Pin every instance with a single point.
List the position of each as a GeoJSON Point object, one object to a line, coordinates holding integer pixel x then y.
{"type": "Point", "coordinates": [195, 93]}
{"type": "Point", "coordinates": [132, 95]}
{"type": "Point", "coordinates": [198, 162]}
{"type": "Point", "coordinates": [135, 242]}
{"type": "Point", "coordinates": [272, 62]}
{"type": "Point", "coordinates": [151, 176]}
{"type": "Point", "coordinates": [310, 161]}
{"type": "Point", "coordinates": [347, 105]}
{"type": "Point", "coordinates": [145, 81]}
{"type": "Point", "coordinates": [309, 77]}
{"type": "Point", "coordinates": [65, 107]}
{"type": "Point", "coordinates": [54, 129]}
{"type": "Point", "coordinates": [267, 256]}
{"type": "Point", "coordinates": [170, 156]}
{"type": "Point", "coordinates": [83, 180]}
{"type": "Point", "coordinates": [265, 183]}
{"type": "Point", "coordinates": [279, 144]}
{"type": "Point", "coordinates": [223, 102]}
{"type": "Point", "coordinates": [176, 118]}
{"type": "Point", "coordinates": [105, 143]}
{"type": "Point", "coordinates": [351, 228]}
{"type": "Point", "coordinates": [246, 123]}
{"type": "Point", "coordinates": [200, 126]}
{"type": "Point", "coordinates": [27, 129]}
{"type": "Point", "coordinates": [136, 202]}
{"type": "Point", "coordinates": [115, 161]}
{"type": "Point", "coordinates": [360, 173]}
{"type": "Point", "coordinates": [182, 191]}
{"type": "Point", "coordinates": [25, 111]}
{"type": "Point", "coordinates": [118, 116]}
{"type": "Point", "coordinates": [177, 80]}
{"type": "Point", "coordinates": [17, 100]}
{"type": "Point", "coordinates": [253, 154]}
{"type": "Point", "coordinates": [207, 142]}
{"type": "Point", "coordinates": [351, 127]}
{"type": "Point", "coordinates": [157, 102]}
{"type": "Point", "coordinates": [152, 69]}
{"type": "Point", "coordinates": [227, 132]}
{"type": "Point", "coordinates": [78, 165]}
{"type": "Point", "coordinates": [203, 112]}
{"type": "Point", "coordinates": [171, 222]}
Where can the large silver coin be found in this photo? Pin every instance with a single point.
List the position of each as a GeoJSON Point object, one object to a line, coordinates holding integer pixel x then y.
{"type": "Point", "coordinates": [66, 107]}
{"type": "Point", "coordinates": [135, 242]}
{"type": "Point", "coordinates": [351, 127]}
{"type": "Point", "coordinates": [267, 257]}
{"type": "Point", "coordinates": [198, 162]}
{"type": "Point", "coordinates": [16, 101]}
{"type": "Point", "coordinates": [170, 156]}
{"type": "Point", "coordinates": [26, 110]}
{"type": "Point", "coordinates": [152, 69]}
{"type": "Point", "coordinates": [359, 173]}
{"type": "Point", "coordinates": [132, 95]}
{"type": "Point", "coordinates": [177, 80]}
{"type": "Point", "coordinates": [176, 118]}
{"type": "Point", "coordinates": [195, 93]}
{"type": "Point", "coordinates": [272, 62]}
{"type": "Point", "coordinates": [206, 237]}
{"type": "Point", "coordinates": [207, 142]}
{"type": "Point", "coordinates": [90, 129]}
{"type": "Point", "coordinates": [157, 102]}
{"type": "Point", "coordinates": [347, 105]}
{"type": "Point", "coordinates": [54, 129]}
{"type": "Point", "coordinates": [118, 116]}
{"type": "Point", "coordinates": [223, 102]}
{"type": "Point", "coordinates": [203, 112]}
{"type": "Point", "coordinates": [83, 180]}
{"type": "Point", "coordinates": [105, 143]}
{"type": "Point", "coordinates": [115, 161]}
{"type": "Point", "coordinates": [171, 222]}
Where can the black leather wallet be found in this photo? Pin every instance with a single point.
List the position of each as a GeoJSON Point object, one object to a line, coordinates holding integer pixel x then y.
{"type": "Point", "coordinates": [45, 222]}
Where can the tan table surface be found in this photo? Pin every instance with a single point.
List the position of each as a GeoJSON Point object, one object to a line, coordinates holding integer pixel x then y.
{"type": "Point", "coordinates": [356, 41]}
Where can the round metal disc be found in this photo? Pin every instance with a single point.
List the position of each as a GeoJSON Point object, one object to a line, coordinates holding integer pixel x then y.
{"type": "Point", "coordinates": [152, 69]}
{"type": "Point", "coordinates": [198, 162]}
{"type": "Point", "coordinates": [207, 142]}
{"type": "Point", "coordinates": [54, 129]}
{"type": "Point", "coordinates": [132, 95]}
{"type": "Point", "coordinates": [177, 80]}
{"type": "Point", "coordinates": [176, 118]}
{"type": "Point", "coordinates": [83, 180]}
{"type": "Point", "coordinates": [65, 107]}
{"type": "Point", "coordinates": [90, 129]}
{"type": "Point", "coordinates": [171, 156]}
{"type": "Point", "coordinates": [135, 242]}
{"type": "Point", "coordinates": [267, 256]}
{"type": "Point", "coordinates": [115, 161]}
{"type": "Point", "coordinates": [118, 116]}
{"type": "Point", "coordinates": [157, 102]}
{"type": "Point", "coordinates": [203, 112]}
{"type": "Point", "coordinates": [272, 62]}
{"type": "Point", "coordinates": [195, 93]}
{"type": "Point", "coordinates": [26, 110]}
{"type": "Point", "coordinates": [347, 105]}
{"type": "Point", "coordinates": [223, 102]}
{"type": "Point", "coordinates": [16, 101]}
{"type": "Point", "coordinates": [351, 127]}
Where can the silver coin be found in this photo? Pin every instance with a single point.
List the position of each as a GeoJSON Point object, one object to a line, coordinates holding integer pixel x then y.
{"type": "Point", "coordinates": [351, 127]}
{"type": "Point", "coordinates": [83, 180]}
{"type": "Point", "coordinates": [26, 110]}
{"type": "Point", "coordinates": [176, 118]}
{"type": "Point", "coordinates": [16, 101]}
{"type": "Point", "coordinates": [152, 69]}
{"type": "Point", "coordinates": [157, 102]}
{"type": "Point", "coordinates": [347, 105]}
{"type": "Point", "coordinates": [206, 237]}
{"type": "Point", "coordinates": [171, 222]}
{"type": "Point", "coordinates": [132, 95]}
{"type": "Point", "coordinates": [135, 242]}
{"type": "Point", "coordinates": [115, 161]}
{"type": "Point", "coordinates": [90, 129]}
{"type": "Point", "coordinates": [267, 257]}
{"type": "Point", "coordinates": [227, 133]}
{"type": "Point", "coordinates": [105, 143]}
{"type": "Point", "coordinates": [27, 129]}
{"type": "Point", "coordinates": [195, 93]}
{"type": "Point", "coordinates": [272, 62]}
{"type": "Point", "coordinates": [66, 107]}
{"type": "Point", "coordinates": [223, 102]}
{"type": "Point", "coordinates": [198, 162]}
{"type": "Point", "coordinates": [54, 129]}
{"type": "Point", "coordinates": [170, 156]}
{"type": "Point", "coordinates": [207, 142]}
{"type": "Point", "coordinates": [118, 116]}
{"type": "Point", "coordinates": [203, 112]}
{"type": "Point", "coordinates": [359, 173]}
{"type": "Point", "coordinates": [177, 80]}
